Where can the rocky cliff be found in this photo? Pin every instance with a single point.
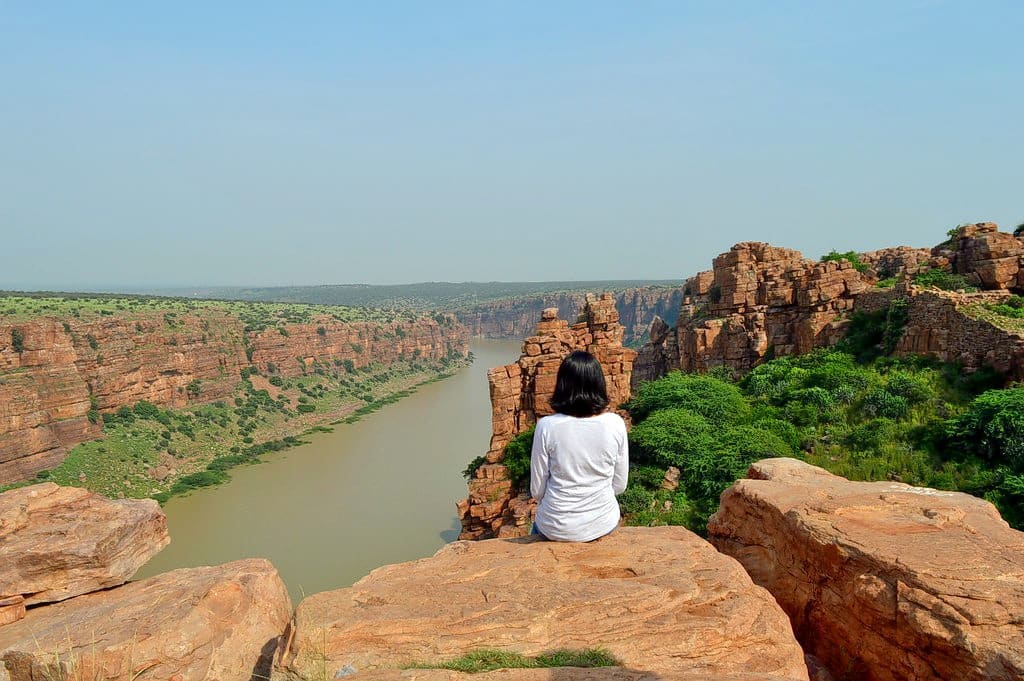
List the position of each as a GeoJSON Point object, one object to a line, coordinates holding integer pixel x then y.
{"type": "Point", "coordinates": [58, 375]}
{"type": "Point", "coordinates": [882, 581]}
{"type": "Point", "coordinates": [761, 301]}
{"type": "Point", "coordinates": [516, 317]}
{"type": "Point", "coordinates": [662, 601]}
{"type": "Point", "coordinates": [520, 395]}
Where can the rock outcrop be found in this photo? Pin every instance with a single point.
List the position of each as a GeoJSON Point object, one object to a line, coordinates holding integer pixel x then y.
{"type": "Point", "coordinates": [60, 542]}
{"type": "Point", "coordinates": [200, 623]}
{"type": "Point", "coordinates": [520, 394]}
{"type": "Point", "coordinates": [68, 371]}
{"type": "Point", "coordinates": [661, 600]}
{"type": "Point", "coordinates": [760, 301]}
{"type": "Point", "coordinates": [987, 257]}
{"type": "Point", "coordinates": [941, 324]}
{"type": "Point", "coordinates": [516, 318]}
{"type": "Point", "coordinates": [882, 581]}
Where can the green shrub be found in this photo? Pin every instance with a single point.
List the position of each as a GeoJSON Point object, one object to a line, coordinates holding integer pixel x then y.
{"type": "Point", "coordinates": [18, 340]}
{"type": "Point", "coordinates": [888, 282]}
{"type": "Point", "coordinates": [321, 331]}
{"type": "Point", "coordinates": [469, 472]}
{"type": "Point", "coordinates": [517, 458]}
{"type": "Point", "coordinates": [671, 437]}
{"type": "Point", "coordinates": [146, 410]}
{"type": "Point", "coordinates": [944, 280]}
{"type": "Point", "coordinates": [91, 340]}
{"type": "Point", "coordinates": [851, 256]}
{"type": "Point", "coordinates": [992, 428]}
{"type": "Point", "coordinates": [636, 499]}
{"type": "Point", "coordinates": [306, 408]}
{"type": "Point", "coordinates": [1019, 231]}
{"type": "Point", "coordinates": [717, 401]}
{"type": "Point", "coordinates": [884, 404]}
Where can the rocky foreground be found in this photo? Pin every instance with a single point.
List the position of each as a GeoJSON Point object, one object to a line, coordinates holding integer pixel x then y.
{"type": "Point", "coordinates": [881, 580]}
{"type": "Point", "coordinates": [878, 581]}
{"type": "Point", "coordinates": [661, 600]}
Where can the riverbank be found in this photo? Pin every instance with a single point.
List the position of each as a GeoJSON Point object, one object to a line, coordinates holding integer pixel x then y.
{"type": "Point", "coordinates": [148, 451]}
{"type": "Point", "coordinates": [378, 491]}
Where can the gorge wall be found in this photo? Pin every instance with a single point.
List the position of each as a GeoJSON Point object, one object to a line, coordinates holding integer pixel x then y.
{"type": "Point", "coordinates": [761, 301]}
{"type": "Point", "coordinates": [520, 394]}
{"type": "Point", "coordinates": [516, 318]}
{"type": "Point", "coordinates": [57, 376]}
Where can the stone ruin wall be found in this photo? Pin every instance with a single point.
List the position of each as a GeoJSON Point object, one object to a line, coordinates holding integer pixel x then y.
{"type": "Point", "coordinates": [761, 301]}
{"type": "Point", "coordinates": [521, 393]}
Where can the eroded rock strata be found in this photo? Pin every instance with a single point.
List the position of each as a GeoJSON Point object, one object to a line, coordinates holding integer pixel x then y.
{"type": "Point", "coordinates": [761, 301]}
{"type": "Point", "coordinates": [520, 394]}
{"type": "Point", "coordinates": [60, 542]}
{"type": "Point", "coordinates": [516, 318]}
{"type": "Point", "coordinates": [218, 622]}
{"type": "Point", "coordinates": [882, 581]}
{"type": "Point", "coordinates": [68, 367]}
{"type": "Point", "coordinates": [661, 600]}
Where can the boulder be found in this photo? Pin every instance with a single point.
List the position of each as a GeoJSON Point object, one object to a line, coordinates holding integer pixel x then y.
{"type": "Point", "coordinates": [218, 622]}
{"type": "Point", "coordinates": [882, 581]}
{"type": "Point", "coordinates": [58, 542]}
{"type": "Point", "coordinates": [661, 600]}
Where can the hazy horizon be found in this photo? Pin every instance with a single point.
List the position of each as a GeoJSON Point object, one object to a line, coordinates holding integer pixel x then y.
{"type": "Point", "coordinates": [200, 146]}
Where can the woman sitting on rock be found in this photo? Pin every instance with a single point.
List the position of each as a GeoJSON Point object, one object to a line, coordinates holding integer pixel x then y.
{"type": "Point", "coordinates": [580, 457]}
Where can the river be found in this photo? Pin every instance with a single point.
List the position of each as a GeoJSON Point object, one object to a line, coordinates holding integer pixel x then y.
{"type": "Point", "coordinates": [378, 491]}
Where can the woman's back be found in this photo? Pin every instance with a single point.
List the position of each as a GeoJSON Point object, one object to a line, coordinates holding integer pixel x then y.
{"type": "Point", "coordinates": [578, 465]}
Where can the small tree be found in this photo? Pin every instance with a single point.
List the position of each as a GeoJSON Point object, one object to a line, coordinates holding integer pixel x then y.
{"type": "Point", "coordinates": [18, 340]}
{"type": "Point", "coordinates": [1019, 232]}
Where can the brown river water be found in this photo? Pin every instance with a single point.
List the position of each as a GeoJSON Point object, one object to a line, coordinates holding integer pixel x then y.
{"type": "Point", "coordinates": [378, 491]}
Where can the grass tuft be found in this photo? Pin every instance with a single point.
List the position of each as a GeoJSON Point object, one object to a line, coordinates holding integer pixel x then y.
{"type": "Point", "coordinates": [488, 660]}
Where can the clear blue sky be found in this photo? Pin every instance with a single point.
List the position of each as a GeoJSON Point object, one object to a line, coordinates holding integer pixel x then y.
{"type": "Point", "coordinates": [387, 142]}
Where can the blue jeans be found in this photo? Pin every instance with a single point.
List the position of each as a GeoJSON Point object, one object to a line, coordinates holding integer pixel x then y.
{"type": "Point", "coordinates": [535, 531]}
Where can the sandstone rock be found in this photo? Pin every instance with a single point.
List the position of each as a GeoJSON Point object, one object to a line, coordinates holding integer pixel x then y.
{"type": "Point", "coordinates": [68, 365]}
{"type": "Point", "coordinates": [58, 542]}
{"type": "Point", "coordinates": [516, 318]}
{"type": "Point", "coordinates": [761, 301]}
{"type": "Point", "coordinates": [557, 674]}
{"type": "Point", "coordinates": [12, 609]}
{"type": "Point", "coordinates": [991, 257]}
{"type": "Point", "coordinates": [882, 581]}
{"type": "Point", "coordinates": [520, 394]}
{"type": "Point", "coordinates": [661, 600]}
{"type": "Point", "coordinates": [199, 623]}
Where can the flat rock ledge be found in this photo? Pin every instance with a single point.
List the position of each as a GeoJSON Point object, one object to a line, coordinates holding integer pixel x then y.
{"type": "Point", "coordinates": [882, 581]}
{"type": "Point", "coordinates": [661, 600]}
{"type": "Point", "coordinates": [218, 622]}
{"type": "Point", "coordinates": [59, 542]}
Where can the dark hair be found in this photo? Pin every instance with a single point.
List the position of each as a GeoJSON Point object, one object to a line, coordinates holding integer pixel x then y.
{"type": "Point", "coordinates": [580, 389]}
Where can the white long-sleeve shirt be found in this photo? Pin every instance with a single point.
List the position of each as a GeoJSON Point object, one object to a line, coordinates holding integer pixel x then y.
{"type": "Point", "coordinates": [577, 466]}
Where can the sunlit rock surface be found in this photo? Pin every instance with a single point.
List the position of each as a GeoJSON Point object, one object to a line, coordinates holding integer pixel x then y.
{"type": "Point", "coordinates": [661, 600]}
{"type": "Point", "coordinates": [882, 581]}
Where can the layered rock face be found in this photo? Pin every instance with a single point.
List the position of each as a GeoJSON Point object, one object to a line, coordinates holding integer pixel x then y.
{"type": "Point", "coordinates": [757, 300]}
{"type": "Point", "coordinates": [218, 622]}
{"type": "Point", "coordinates": [989, 258]}
{"type": "Point", "coordinates": [361, 342]}
{"type": "Point", "coordinates": [937, 325]}
{"type": "Point", "coordinates": [761, 301]}
{"type": "Point", "coordinates": [882, 581]}
{"type": "Point", "coordinates": [520, 394]}
{"type": "Point", "coordinates": [661, 600]}
{"type": "Point", "coordinates": [60, 542]}
{"type": "Point", "coordinates": [517, 317]}
{"type": "Point", "coordinates": [65, 368]}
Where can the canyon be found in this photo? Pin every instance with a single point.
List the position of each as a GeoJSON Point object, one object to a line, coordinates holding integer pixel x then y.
{"type": "Point", "coordinates": [515, 318]}
{"type": "Point", "coordinates": [66, 372]}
